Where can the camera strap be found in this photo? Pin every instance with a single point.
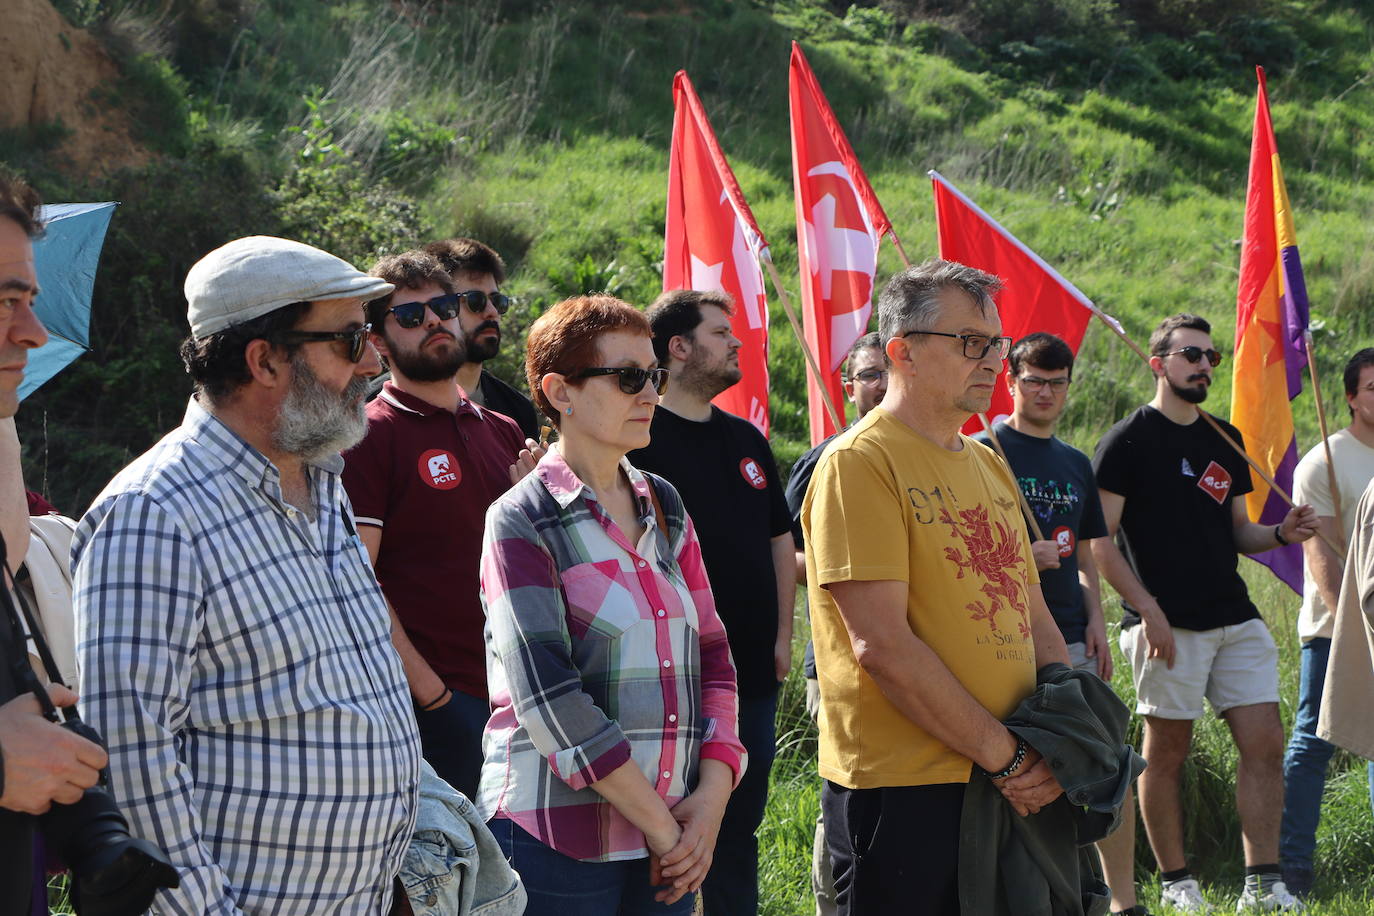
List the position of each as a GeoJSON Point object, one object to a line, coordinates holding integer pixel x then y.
{"type": "Point", "coordinates": [23, 672]}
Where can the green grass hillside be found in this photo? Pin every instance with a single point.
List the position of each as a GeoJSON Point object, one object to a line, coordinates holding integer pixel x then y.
{"type": "Point", "coordinates": [1114, 143]}
{"type": "Point", "coordinates": [1110, 135]}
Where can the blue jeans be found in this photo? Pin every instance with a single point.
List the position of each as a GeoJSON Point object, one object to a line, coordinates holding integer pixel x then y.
{"type": "Point", "coordinates": [1304, 764]}
{"type": "Point", "coordinates": [451, 740]}
{"type": "Point", "coordinates": [732, 885]}
{"type": "Point", "coordinates": [557, 885]}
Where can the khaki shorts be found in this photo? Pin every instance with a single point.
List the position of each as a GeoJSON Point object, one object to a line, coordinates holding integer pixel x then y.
{"type": "Point", "coordinates": [1078, 657]}
{"type": "Point", "coordinates": [1229, 666]}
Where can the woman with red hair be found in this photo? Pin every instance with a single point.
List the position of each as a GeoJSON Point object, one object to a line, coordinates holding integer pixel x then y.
{"type": "Point", "coordinates": [611, 750]}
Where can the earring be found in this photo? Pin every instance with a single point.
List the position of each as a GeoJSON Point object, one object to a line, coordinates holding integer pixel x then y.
{"type": "Point", "coordinates": [570, 411]}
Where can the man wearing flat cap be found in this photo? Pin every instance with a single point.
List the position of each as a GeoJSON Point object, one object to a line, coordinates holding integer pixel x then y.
{"type": "Point", "coordinates": [235, 649]}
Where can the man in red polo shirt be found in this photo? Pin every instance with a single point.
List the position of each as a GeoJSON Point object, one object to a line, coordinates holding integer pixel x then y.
{"type": "Point", "coordinates": [420, 483]}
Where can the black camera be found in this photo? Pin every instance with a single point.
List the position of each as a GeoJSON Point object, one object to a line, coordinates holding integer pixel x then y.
{"type": "Point", "coordinates": [113, 873]}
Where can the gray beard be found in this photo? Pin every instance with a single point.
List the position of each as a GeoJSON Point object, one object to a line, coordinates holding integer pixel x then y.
{"type": "Point", "coordinates": [314, 422]}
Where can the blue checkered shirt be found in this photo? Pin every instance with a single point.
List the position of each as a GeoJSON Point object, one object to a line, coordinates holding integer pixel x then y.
{"type": "Point", "coordinates": [237, 658]}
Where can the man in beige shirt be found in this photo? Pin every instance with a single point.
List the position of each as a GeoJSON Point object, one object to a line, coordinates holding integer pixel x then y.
{"type": "Point", "coordinates": [1351, 467]}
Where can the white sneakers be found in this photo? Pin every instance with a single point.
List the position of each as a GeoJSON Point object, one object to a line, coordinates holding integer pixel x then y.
{"type": "Point", "coordinates": [1185, 896]}
{"type": "Point", "coordinates": [1277, 900]}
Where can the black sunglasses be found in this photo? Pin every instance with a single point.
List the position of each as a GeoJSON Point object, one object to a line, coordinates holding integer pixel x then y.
{"type": "Point", "coordinates": [357, 339]}
{"type": "Point", "coordinates": [1195, 355]}
{"type": "Point", "coordinates": [476, 300]}
{"type": "Point", "coordinates": [631, 379]}
{"type": "Point", "coordinates": [412, 314]}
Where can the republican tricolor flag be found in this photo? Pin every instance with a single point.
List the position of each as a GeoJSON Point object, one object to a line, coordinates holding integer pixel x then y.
{"type": "Point", "coordinates": [1271, 321]}
{"type": "Point", "coordinates": [1034, 296]}
{"type": "Point", "coordinates": [712, 243]}
{"type": "Point", "coordinates": [839, 224]}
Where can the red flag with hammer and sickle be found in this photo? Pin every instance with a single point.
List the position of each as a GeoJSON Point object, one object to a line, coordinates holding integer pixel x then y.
{"type": "Point", "coordinates": [839, 224]}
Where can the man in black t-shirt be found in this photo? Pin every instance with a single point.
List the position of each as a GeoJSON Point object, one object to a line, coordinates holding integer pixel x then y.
{"type": "Point", "coordinates": [729, 483]}
{"type": "Point", "coordinates": [477, 272]}
{"type": "Point", "coordinates": [1170, 484]}
{"type": "Point", "coordinates": [1057, 480]}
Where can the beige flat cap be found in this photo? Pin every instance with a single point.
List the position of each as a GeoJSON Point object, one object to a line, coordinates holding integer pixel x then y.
{"type": "Point", "coordinates": [249, 277]}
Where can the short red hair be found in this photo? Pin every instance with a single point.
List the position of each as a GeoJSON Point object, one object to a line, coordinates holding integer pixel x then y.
{"type": "Point", "coordinates": [565, 338]}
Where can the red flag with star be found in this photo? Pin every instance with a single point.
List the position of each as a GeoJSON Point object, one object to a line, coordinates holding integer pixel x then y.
{"type": "Point", "coordinates": [839, 224]}
{"type": "Point", "coordinates": [711, 242]}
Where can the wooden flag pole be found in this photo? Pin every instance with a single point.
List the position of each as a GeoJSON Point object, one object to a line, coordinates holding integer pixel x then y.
{"type": "Point", "coordinates": [1264, 475]}
{"type": "Point", "coordinates": [1326, 441]}
{"type": "Point", "coordinates": [898, 244]}
{"type": "Point", "coordinates": [801, 340]}
{"type": "Point", "coordinates": [1025, 504]}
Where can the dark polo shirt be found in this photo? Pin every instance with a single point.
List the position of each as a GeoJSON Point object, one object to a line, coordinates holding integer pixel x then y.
{"type": "Point", "coordinates": [425, 477]}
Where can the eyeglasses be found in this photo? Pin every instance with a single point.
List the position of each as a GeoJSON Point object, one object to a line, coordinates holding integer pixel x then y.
{"type": "Point", "coordinates": [1195, 355]}
{"type": "Point", "coordinates": [412, 314]}
{"type": "Point", "coordinates": [632, 380]}
{"type": "Point", "coordinates": [976, 346]}
{"type": "Point", "coordinates": [870, 377]}
{"type": "Point", "coordinates": [476, 300]}
{"type": "Point", "coordinates": [1036, 383]}
{"type": "Point", "coordinates": [357, 339]}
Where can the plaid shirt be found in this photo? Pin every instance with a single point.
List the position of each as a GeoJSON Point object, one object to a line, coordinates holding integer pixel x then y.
{"type": "Point", "coordinates": [237, 658]}
{"type": "Point", "coordinates": [598, 652]}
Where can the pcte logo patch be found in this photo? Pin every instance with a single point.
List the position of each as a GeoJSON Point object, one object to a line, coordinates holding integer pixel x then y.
{"type": "Point", "coordinates": [440, 470]}
{"type": "Point", "coordinates": [753, 474]}
{"type": "Point", "coordinates": [1215, 482]}
{"type": "Point", "coordinates": [1063, 536]}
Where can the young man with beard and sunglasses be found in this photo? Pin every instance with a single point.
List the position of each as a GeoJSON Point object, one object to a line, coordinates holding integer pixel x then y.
{"type": "Point", "coordinates": [421, 482]}
{"type": "Point", "coordinates": [729, 483]}
{"type": "Point", "coordinates": [1170, 488]}
{"type": "Point", "coordinates": [235, 650]}
{"type": "Point", "coordinates": [477, 272]}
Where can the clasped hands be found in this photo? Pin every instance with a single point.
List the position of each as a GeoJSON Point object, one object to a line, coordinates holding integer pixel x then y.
{"type": "Point", "coordinates": [1031, 787]}
{"type": "Point", "coordinates": [681, 862]}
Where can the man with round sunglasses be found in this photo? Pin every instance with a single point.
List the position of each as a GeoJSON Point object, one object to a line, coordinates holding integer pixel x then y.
{"type": "Point", "coordinates": [724, 470]}
{"type": "Point", "coordinates": [477, 272]}
{"type": "Point", "coordinates": [235, 650]}
{"type": "Point", "coordinates": [1170, 488]}
{"type": "Point", "coordinates": [421, 482]}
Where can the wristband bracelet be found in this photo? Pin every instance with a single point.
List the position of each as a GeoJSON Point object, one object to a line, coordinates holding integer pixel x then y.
{"type": "Point", "coordinates": [426, 707]}
{"type": "Point", "coordinates": [1278, 536]}
{"type": "Point", "coordinates": [1016, 760]}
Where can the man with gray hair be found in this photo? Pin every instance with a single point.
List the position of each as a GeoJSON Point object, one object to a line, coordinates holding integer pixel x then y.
{"type": "Point", "coordinates": [235, 648]}
{"type": "Point", "coordinates": [926, 610]}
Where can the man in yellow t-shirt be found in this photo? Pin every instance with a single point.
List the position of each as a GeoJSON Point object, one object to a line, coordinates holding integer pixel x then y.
{"type": "Point", "coordinates": [929, 623]}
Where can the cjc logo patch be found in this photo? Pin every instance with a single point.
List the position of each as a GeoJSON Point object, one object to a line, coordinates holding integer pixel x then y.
{"type": "Point", "coordinates": [439, 469]}
{"type": "Point", "coordinates": [753, 474]}
{"type": "Point", "coordinates": [1215, 482]}
{"type": "Point", "coordinates": [1063, 536]}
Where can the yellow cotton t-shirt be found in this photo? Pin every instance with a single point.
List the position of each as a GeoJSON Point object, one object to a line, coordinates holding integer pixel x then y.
{"type": "Point", "coordinates": [886, 503]}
